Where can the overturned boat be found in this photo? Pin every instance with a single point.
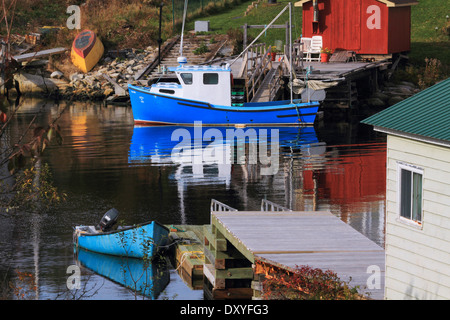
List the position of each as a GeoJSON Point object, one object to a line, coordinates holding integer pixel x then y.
{"type": "Point", "coordinates": [87, 49]}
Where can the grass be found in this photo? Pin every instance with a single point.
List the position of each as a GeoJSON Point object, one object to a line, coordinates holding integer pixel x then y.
{"type": "Point", "coordinates": [262, 14]}
{"type": "Point", "coordinates": [428, 40]}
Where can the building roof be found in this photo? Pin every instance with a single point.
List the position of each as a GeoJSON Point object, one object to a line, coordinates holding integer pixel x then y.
{"type": "Point", "coordinates": [389, 3]}
{"type": "Point", "coordinates": [424, 116]}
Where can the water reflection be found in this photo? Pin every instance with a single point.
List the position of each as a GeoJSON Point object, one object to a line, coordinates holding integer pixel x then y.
{"type": "Point", "coordinates": [142, 277]}
{"type": "Point", "coordinates": [106, 162]}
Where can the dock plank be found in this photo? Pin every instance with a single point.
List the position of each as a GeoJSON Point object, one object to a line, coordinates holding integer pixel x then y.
{"type": "Point", "coordinates": [318, 239]}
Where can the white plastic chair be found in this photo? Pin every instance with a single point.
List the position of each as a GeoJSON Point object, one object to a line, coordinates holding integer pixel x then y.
{"type": "Point", "coordinates": [306, 45]}
{"type": "Point", "coordinates": [316, 46]}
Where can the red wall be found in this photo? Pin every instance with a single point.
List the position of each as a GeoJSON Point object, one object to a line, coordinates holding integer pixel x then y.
{"type": "Point", "coordinates": [399, 29]}
{"type": "Point", "coordinates": [349, 25]}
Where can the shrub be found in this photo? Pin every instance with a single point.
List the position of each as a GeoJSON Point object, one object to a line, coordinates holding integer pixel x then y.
{"type": "Point", "coordinates": [432, 73]}
{"type": "Point", "coordinates": [307, 283]}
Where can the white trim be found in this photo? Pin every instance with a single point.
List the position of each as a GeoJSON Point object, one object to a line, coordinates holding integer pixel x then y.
{"type": "Point", "coordinates": [443, 143]}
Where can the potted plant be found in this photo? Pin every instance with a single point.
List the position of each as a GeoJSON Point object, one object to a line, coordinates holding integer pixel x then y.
{"type": "Point", "coordinates": [325, 54]}
{"type": "Point", "coordinates": [273, 52]}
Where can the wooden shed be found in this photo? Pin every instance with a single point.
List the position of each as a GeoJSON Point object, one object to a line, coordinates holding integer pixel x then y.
{"type": "Point", "coordinates": [364, 26]}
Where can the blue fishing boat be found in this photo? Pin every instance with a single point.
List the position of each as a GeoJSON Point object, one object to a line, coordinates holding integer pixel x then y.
{"type": "Point", "coordinates": [138, 241]}
{"type": "Point", "coordinates": [204, 93]}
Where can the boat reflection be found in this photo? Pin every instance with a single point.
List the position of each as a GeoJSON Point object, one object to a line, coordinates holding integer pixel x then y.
{"type": "Point", "coordinates": [142, 277]}
{"type": "Point", "coordinates": [157, 144]}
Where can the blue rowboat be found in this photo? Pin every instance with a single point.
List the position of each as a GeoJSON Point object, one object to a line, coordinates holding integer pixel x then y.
{"type": "Point", "coordinates": [204, 93]}
{"type": "Point", "coordinates": [139, 241]}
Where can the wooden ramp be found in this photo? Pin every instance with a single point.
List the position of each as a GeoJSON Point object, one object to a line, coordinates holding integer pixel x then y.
{"type": "Point", "coordinates": [317, 239]}
{"type": "Point", "coordinates": [263, 92]}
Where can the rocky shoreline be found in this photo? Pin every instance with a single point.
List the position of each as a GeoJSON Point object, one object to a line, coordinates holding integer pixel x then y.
{"type": "Point", "coordinates": [108, 80]}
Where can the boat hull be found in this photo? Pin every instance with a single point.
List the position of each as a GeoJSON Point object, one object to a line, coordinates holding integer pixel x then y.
{"type": "Point", "coordinates": [142, 241]}
{"type": "Point", "coordinates": [159, 109]}
{"type": "Point", "coordinates": [87, 49]}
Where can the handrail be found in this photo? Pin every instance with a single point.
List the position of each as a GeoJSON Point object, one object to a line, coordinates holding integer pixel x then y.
{"type": "Point", "coordinates": [266, 205]}
{"type": "Point", "coordinates": [219, 206]}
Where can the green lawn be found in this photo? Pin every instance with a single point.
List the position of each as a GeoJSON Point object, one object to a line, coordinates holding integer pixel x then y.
{"type": "Point", "coordinates": [428, 18]}
{"type": "Point", "coordinates": [263, 14]}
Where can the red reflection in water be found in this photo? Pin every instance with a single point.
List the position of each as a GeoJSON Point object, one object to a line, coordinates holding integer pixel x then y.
{"type": "Point", "coordinates": [350, 179]}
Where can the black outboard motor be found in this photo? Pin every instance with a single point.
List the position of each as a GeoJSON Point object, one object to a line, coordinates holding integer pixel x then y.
{"type": "Point", "coordinates": [109, 220]}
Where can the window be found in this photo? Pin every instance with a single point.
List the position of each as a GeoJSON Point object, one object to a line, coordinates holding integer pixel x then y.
{"type": "Point", "coordinates": [187, 78]}
{"type": "Point", "coordinates": [167, 91]}
{"type": "Point", "coordinates": [210, 78]}
{"type": "Point", "coordinates": [410, 192]}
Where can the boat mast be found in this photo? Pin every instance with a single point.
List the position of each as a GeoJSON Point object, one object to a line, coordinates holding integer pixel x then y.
{"type": "Point", "coordinates": [290, 49]}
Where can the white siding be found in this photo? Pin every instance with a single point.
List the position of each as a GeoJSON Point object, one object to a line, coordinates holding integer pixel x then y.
{"type": "Point", "coordinates": [418, 257]}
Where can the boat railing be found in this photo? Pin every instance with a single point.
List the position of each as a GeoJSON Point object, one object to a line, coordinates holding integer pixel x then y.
{"type": "Point", "coordinates": [219, 206]}
{"type": "Point", "coordinates": [267, 205]}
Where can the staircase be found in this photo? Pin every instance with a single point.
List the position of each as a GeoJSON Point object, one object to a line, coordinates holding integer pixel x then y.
{"type": "Point", "coordinates": [171, 52]}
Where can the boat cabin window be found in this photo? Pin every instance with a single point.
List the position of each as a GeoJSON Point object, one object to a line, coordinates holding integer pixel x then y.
{"type": "Point", "coordinates": [210, 78]}
{"type": "Point", "coordinates": [167, 91]}
{"type": "Point", "coordinates": [187, 78]}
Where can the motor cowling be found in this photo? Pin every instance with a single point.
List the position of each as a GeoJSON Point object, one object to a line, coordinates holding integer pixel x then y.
{"type": "Point", "coordinates": [109, 220]}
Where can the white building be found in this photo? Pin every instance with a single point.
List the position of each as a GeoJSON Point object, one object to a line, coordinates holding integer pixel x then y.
{"type": "Point", "coordinates": [417, 194]}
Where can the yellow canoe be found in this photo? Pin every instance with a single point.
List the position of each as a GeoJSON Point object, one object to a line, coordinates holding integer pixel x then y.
{"type": "Point", "coordinates": [87, 49]}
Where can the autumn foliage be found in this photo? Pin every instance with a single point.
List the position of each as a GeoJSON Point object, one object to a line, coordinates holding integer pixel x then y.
{"type": "Point", "coordinates": [305, 283]}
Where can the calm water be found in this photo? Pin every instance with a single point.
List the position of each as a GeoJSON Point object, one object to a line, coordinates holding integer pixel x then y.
{"type": "Point", "coordinates": [105, 162]}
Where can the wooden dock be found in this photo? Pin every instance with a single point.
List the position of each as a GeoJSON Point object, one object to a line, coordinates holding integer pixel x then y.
{"type": "Point", "coordinates": [236, 240]}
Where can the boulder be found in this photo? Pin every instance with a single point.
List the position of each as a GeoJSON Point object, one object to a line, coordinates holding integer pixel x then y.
{"type": "Point", "coordinates": [375, 102]}
{"type": "Point", "coordinates": [56, 75]}
{"type": "Point", "coordinates": [395, 99]}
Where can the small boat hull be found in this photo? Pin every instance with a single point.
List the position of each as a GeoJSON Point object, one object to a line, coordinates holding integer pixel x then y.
{"type": "Point", "coordinates": [87, 49]}
{"type": "Point", "coordinates": [159, 109]}
{"type": "Point", "coordinates": [142, 241]}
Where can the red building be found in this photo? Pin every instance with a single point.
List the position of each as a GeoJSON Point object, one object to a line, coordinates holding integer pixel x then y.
{"type": "Point", "coordinates": [363, 26]}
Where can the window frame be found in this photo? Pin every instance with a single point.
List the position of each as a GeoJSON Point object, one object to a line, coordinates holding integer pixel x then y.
{"type": "Point", "coordinates": [412, 169]}
{"type": "Point", "coordinates": [184, 80]}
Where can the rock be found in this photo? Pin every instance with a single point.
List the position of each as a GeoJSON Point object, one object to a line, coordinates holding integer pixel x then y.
{"type": "Point", "coordinates": [75, 77]}
{"type": "Point", "coordinates": [408, 84]}
{"type": "Point", "coordinates": [56, 75]}
{"type": "Point", "coordinates": [395, 99]}
{"type": "Point", "coordinates": [405, 90]}
{"type": "Point", "coordinates": [108, 92]}
{"type": "Point", "coordinates": [375, 102]}
{"type": "Point", "coordinates": [89, 80]}
{"type": "Point", "coordinates": [380, 95]}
